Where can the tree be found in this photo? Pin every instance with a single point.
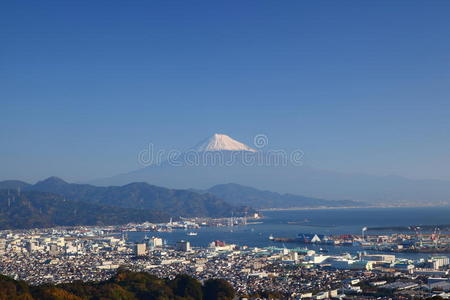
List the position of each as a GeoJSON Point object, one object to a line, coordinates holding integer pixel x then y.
{"type": "Point", "coordinates": [187, 287]}
{"type": "Point", "coordinates": [54, 293]}
{"type": "Point", "coordinates": [11, 289]}
{"type": "Point", "coordinates": [218, 289]}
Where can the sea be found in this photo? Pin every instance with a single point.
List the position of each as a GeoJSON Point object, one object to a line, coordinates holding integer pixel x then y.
{"type": "Point", "coordinates": [289, 223]}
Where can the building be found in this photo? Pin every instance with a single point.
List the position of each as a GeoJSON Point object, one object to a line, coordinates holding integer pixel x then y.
{"type": "Point", "coordinates": [221, 246]}
{"type": "Point", "coordinates": [316, 259]}
{"type": "Point", "coordinates": [140, 249]}
{"type": "Point", "coordinates": [31, 246]}
{"type": "Point", "coordinates": [155, 242]}
{"type": "Point", "coordinates": [349, 264]}
{"type": "Point", "coordinates": [379, 258]}
{"type": "Point", "coordinates": [439, 261]}
{"type": "Point", "coordinates": [294, 256]}
{"type": "Point", "coordinates": [404, 267]}
{"type": "Point", "coordinates": [2, 246]}
{"type": "Point", "coordinates": [400, 285]}
{"type": "Point", "coordinates": [183, 246]}
{"type": "Point", "coordinates": [54, 250]}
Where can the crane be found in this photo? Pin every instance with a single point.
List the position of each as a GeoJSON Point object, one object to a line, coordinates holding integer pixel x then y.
{"type": "Point", "coordinates": [436, 235]}
{"type": "Point", "coordinates": [418, 235]}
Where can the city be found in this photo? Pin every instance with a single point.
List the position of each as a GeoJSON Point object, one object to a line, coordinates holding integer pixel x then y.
{"type": "Point", "coordinates": [60, 255]}
{"type": "Point", "coordinates": [225, 150]}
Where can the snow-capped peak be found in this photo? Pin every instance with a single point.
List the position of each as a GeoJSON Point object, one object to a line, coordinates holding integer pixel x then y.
{"type": "Point", "coordinates": [221, 142]}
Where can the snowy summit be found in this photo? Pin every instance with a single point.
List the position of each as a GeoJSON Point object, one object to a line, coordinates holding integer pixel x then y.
{"type": "Point", "coordinates": [222, 142]}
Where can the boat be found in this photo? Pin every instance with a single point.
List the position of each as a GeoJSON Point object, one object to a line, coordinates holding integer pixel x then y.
{"type": "Point", "coordinates": [192, 233]}
{"type": "Point", "coordinates": [271, 237]}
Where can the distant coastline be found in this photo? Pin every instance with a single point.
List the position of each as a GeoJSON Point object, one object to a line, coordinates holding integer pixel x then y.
{"type": "Point", "coordinates": [352, 207]}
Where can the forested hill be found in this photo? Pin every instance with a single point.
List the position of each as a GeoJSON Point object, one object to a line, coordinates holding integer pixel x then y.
{"type": "Point", "coordinates": [13, 184]}
{"type": "Point", "coordinates": [141, 195]}
{"type": "Point", "coordinates": [33, 209]}
{"type": "Point", "coordinates": [54, 202]}
{"type": "Point", "coordinates": [124, 285]}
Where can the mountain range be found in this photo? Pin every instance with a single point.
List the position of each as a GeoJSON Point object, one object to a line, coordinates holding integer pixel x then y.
{"type": "Point", "coordinates": [237, 194]}
{"type": "Point", "coordinates": [140, 195]}
{"type": "Point", "coordinates": [33, 209]}
{"type": "Point", "coordinates": [221, 159]}
{"type": "Point", "coordinates": [53, 201]}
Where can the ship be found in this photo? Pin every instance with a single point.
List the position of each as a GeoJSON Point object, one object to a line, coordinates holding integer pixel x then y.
{"type": "Point", "coordinates": [192, 233]}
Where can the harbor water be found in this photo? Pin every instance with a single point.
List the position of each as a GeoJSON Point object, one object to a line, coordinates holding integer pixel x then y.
{"type": "Point", "coordinates": [289, 223]}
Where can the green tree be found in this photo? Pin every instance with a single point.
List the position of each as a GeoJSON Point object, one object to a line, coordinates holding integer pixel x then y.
{"type": "Point", "coordinates": [187, 287]}
{"type": "Point", "coordinates": [218, 289]}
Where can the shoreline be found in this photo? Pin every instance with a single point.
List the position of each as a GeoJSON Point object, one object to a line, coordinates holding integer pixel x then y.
{"type": "Point", "coordinates": [346, 207]}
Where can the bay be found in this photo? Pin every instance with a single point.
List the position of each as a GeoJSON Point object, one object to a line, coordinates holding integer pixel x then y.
{"type": "Point", "coordinates": [289, 223]}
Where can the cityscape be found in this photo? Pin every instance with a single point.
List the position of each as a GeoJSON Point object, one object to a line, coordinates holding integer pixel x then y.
{"type": "Point", "coordinates": [225, 150]}
{"type": "Point", "coordinates": [66, 254]}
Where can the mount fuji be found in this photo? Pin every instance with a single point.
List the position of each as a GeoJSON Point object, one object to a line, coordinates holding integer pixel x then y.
{"type": "Point", "coordinates": [221, 142]}
{"type": "Point", "coordinates": [220, 159]}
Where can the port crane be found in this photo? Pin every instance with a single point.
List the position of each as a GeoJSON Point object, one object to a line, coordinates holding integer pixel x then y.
{"type": "Point", "coordinates": [435, 236]}
{"type": "Point", "coordinates": [418, 235]}
{"type": "Point", "coordinates": [364, 229]}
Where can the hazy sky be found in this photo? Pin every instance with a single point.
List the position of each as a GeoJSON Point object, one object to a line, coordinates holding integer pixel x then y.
{"type": "Point", "coordinates": [359, 86]}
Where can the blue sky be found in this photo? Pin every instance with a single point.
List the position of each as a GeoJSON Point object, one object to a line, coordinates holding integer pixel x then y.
{"type": "Point", "coordinates": [359, 86]}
